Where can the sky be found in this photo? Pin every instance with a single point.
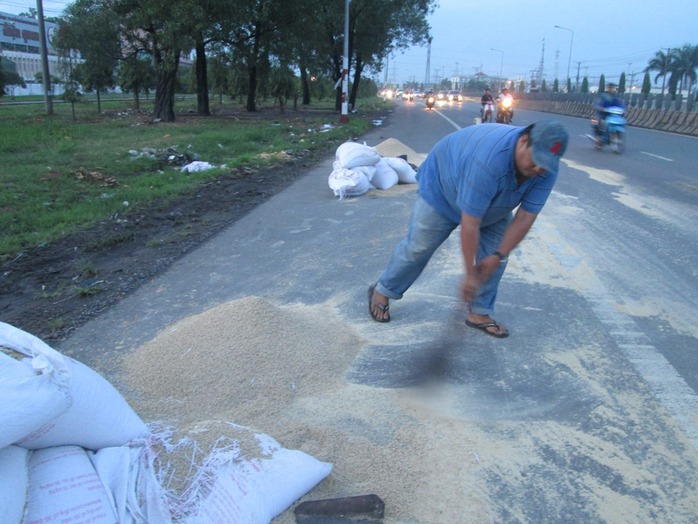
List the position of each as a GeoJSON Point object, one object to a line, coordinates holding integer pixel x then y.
{"type": "Point", "coordinates": [599, 37]}
{"type": "Point", "coordinates": [606, 37]}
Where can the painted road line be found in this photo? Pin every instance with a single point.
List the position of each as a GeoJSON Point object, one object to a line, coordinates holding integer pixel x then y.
{"type": "Point", "coordinates": [666, 383]}
{"type": "Point", "coordinates": [657, 156]}
{"type": "Point", "coordinates": [448, 119]}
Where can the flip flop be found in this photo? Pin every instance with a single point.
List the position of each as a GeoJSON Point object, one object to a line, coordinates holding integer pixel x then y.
{"type": "Point", "coordinates": [484, 325]}
{"type": "Point", "coordinates": [383, 307]}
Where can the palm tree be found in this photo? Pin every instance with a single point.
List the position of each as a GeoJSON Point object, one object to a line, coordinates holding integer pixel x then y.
{"type": "Point", "coordinates": [660, 63]}
{"type": "Point", "coordinates": [682, 67]}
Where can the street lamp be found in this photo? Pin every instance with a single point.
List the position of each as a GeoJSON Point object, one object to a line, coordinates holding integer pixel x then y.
{"type": "Point", "coordinates": [569, 61]}
{"type": "Point", "coordinates": [501, 65]}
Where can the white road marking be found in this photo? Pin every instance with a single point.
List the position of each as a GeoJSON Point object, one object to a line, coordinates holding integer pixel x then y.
{"type": "Point", "coordinates": [657, 156]}
{"type": "Point", "coordinates": [448, 120]}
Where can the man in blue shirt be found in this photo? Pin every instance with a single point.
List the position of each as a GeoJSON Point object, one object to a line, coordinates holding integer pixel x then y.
{"type": "Point", "coordinates": [475, 178]}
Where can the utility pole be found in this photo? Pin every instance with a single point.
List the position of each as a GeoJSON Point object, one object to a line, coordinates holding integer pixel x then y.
{"type": "Point", "coordinates": [48, 96]}
{"type": "Point", "coordinates": [427, 75]}
{"type": "Point", "coordinates": [344, 118]}
{"type": "Point", "coordinates": [576, 87]}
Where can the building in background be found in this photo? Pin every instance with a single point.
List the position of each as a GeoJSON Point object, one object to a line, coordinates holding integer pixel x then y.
{"type": "Point", "coordinates": [20, 44]}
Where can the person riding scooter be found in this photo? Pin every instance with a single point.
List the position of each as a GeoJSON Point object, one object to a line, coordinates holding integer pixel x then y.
{"type": "Point", "coordinates": [505, 103]}
{"type": "Point", "coordinates": [606, 100]}
{"type": "Point", "coordinates": [486, 99]}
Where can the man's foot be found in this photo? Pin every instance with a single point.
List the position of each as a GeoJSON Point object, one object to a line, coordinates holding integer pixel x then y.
{"type": "Point", "coordinates": [378, 306]}
{"type": "Point", "coordinates": [487, 324]}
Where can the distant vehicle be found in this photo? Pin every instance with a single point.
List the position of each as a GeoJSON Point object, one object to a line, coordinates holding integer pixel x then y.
{"type": "Point", "coordinates": [441, 95]}
{"type": "Point", "coordinates": [430, 101]}
{"type": "Point", "coordinates": [611, 130]}
{"type": "Point", "coordinates": [454, 96]}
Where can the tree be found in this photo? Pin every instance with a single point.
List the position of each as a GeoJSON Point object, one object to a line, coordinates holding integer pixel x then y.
{"type": "Point", "coordinates": [682, 68]}
{"type": "Point", "coordinates": [621, 84]}
{"type": "Point", "coordinates": [379, 28]}
{"type": "Point", "coordinates": [660, 63]}
{"type": "Point", "coordinates": [585, 85]}
{"type": "Point", "coordinates": [163, 29]}
{"type": "Point", "coordinates": [646, 84]}
{"type": "Point", "coordinates": [556, 86]}
{"type": "Point", "coordinates": [569, 85]}
{"type": "Point", "coordinates": [9, 76]}
{"type": "Point", "coordinates": [137, 74]}
{"type": "Point", "coordinates": [522, 87]}
{"type": "Point", "coordinates": [602, 83]}
{"type": "Point", "coordinates": [91, 30]}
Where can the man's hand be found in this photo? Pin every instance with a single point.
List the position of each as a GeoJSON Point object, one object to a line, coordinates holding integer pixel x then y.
{"type": "Point", "coordinates": [469, 287]}
{"type": "Point", "coordinates": [483, 271]}
{"type": "Point", "coordinates": [486, 267]}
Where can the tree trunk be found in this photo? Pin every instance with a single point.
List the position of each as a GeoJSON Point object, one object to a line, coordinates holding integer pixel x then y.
{"type": "Point", "coordinates": [253, 71]}
{"type": "Point", "coordinates": [358, 68]}
{"type": "Point", "coordinates": [252, 90]}
{"type": "Point", "coordinates": [99, 103]}
{"type": "Point", "coordinates": [305, 86]}
{"type": "Point", "coordinates": [165, 93]}
{"type": "Point", "coordinates": [202, 104]}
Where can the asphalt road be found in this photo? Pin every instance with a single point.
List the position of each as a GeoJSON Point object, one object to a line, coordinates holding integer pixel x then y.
{"type": "Point", "coordinates": [592, 401]}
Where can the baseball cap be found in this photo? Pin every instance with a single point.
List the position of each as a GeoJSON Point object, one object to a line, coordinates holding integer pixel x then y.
{"type": "Point", "coordinates": [549, 141]}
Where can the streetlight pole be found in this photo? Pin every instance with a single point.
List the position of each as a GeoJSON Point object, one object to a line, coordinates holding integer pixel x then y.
{"type": "Point", "coordinates": [501, 65]}
{"type": "Point", "coordinates": [569, 61]}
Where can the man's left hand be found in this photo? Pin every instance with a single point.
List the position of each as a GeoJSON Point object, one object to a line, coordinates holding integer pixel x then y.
{"type": "Point", "coordinates": [486, 267]}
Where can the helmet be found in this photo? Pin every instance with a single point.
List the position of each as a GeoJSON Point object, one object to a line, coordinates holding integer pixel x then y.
{"type": "Point", "coordinates": [505, 89]}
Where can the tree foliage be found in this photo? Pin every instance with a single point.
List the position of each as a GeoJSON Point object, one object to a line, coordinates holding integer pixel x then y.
{"type": "Point", "coordinates": [264, 40]}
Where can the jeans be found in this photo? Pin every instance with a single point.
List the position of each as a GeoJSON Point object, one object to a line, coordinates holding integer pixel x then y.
{"type": "Point", "coordinates": [426, 231]}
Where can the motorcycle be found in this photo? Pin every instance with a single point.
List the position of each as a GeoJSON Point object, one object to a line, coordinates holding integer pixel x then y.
{"type": "Point", "coordinates": [611, 130]}
{"type": "Point", "coordinates": [504, 110]}
{"type": "Point", "coordinates": [431, 101]}
{"type": "Point", "coordinates": [487, 111]}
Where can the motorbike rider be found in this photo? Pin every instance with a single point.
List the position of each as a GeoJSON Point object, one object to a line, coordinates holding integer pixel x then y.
{"type": "Point", "coordinates": [607, 99]}
{"type": "Point", "coordinates": [486, 98]}
{"type": "Point", "coordinates": [504, 94]}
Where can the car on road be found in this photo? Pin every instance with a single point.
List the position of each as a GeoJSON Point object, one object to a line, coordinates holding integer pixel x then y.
{"type": "Point", "coordinates": [454, 96]}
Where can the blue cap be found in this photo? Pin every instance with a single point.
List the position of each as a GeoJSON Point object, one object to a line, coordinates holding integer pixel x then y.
{"type": "Point", "coordinates": [549, 141]}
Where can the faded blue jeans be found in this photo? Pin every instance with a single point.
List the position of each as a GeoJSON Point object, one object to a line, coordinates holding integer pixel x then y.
{"type": "Point", "coordinates": [426, 231]}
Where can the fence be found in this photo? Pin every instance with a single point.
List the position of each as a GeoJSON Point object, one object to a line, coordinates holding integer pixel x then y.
{"type": "Point", "coordinates": [679, 115]}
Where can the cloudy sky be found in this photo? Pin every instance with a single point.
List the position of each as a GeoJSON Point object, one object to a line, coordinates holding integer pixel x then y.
{"type": "Point", "coordinates": [606, 37]}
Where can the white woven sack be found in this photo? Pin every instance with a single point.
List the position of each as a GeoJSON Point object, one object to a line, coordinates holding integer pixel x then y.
{"type": "Point", "coordinates": [256, 490]}
{"type": "Point", "coordinates": [32, 394]}
{"type": "Point", "coordinates": [98, 416]}
{"type": "Point", "coordinates": [353, 154]}
{"type": "Point", "coordinates": [135, 492]}
{"type": "Point", "coordinates": [348, 183]}
{"type": "Point", "coordinates": [405, 173]}
{"type": "Point", "coordinates": [385, 176]}
{"type": "Point", "coordinates": [64, 487]}
{"type": "Point", "coordinates": [14, 483]}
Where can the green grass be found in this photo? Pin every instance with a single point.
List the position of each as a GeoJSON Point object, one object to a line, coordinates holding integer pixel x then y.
{"type": "Point", "coordinates": [59, 174]}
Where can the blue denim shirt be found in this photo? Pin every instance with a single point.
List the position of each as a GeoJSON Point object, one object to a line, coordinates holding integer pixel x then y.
{"type": "Point", "coordinates": [472, 171]}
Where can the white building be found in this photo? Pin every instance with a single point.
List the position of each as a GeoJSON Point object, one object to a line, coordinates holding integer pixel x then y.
{"type": "Point", "coordinates": [20, 43]}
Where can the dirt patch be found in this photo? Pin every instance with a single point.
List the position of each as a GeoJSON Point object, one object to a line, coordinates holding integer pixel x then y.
{"type": "Point", "coordinates": [53, 289]}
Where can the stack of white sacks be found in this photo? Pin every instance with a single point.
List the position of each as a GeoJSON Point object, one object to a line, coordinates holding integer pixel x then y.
{"type": "Point", "coordinates": [359, 168]}
{"type": "Point", "coordinates": [73, 450]}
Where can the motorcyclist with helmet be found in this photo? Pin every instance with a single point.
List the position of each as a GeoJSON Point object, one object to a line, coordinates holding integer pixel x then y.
{"type": "Point", "coordinates": [607, 99]}
{"type": "Point", "coordinates": [486, 99]}
{"type": "Point", "coordinates": [504, 95]}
